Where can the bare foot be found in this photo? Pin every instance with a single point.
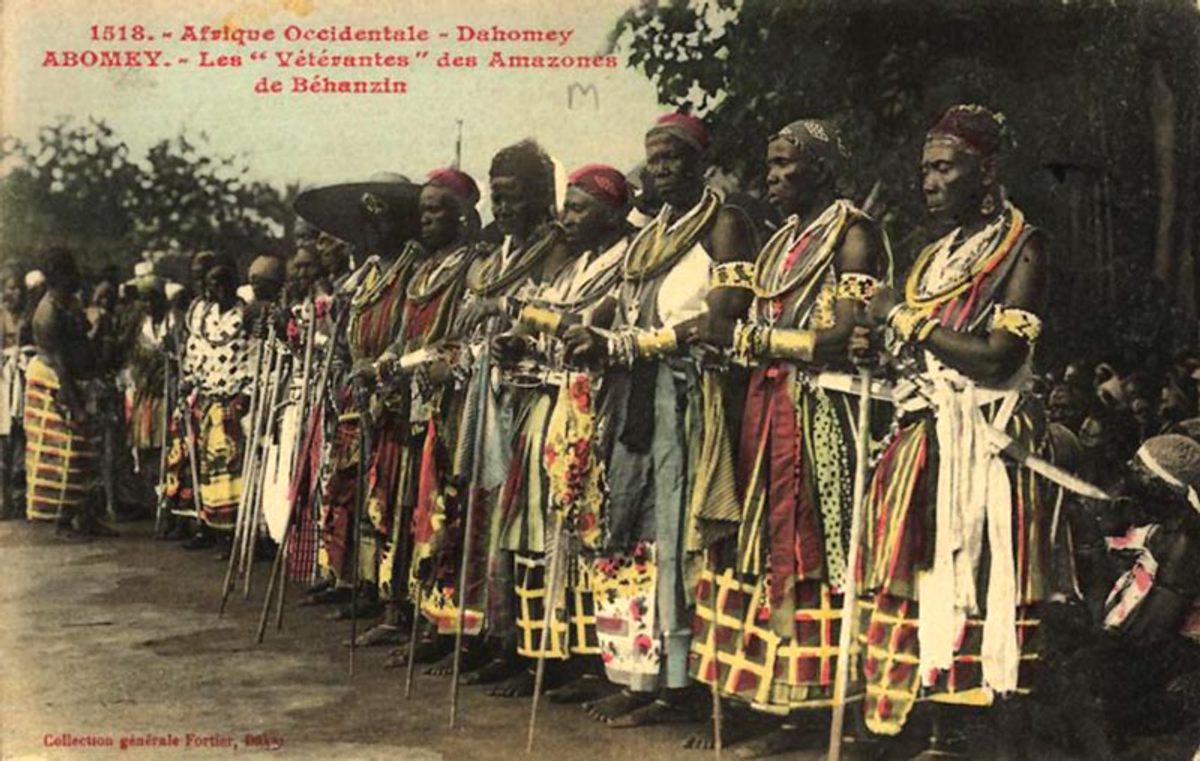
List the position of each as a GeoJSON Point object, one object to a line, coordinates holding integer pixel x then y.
{"type": "Point", "coordinates": [782, 739]}
{"type": "Point", "coordinates": [733, 730]}
{"type": "Point", "coordinates": [613, 707]}
{"type": "Point", "coordinates": [497, 670]}
{"type": "Point", "coordinates": [585, 689]}
{"type": "Point", "coordinates": [470, 660]}
{"type": "Point", "coordinates": [657, 712]}
{"type": "Point", "coordinates": [518, 685]}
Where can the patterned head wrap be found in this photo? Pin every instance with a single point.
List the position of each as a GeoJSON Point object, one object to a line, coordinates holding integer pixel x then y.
{"type": "Point", "coordinates": [973, 127]}
{"type": "Point", "coordinates": [603, 183]}
{"type": "Point", "coordinates": [822, 140]}
{"type": "Point", "coordinates": [1175, 459]}
{"type": "Point", "coordinates": [686, 128]}
{"type": "Point", "coordinates": [457, 182]}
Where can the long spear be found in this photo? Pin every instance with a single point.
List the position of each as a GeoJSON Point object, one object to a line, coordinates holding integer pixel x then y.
{"type": "Point", "coordinates": [849, 578]}
{"type": "Point", "coordinates": [484, 371]}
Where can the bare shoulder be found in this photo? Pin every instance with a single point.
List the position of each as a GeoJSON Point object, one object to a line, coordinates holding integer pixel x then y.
{"type": "Point", "coordinates": [732, 235]}
{"type": "Point", "coordinates": [862, 247]}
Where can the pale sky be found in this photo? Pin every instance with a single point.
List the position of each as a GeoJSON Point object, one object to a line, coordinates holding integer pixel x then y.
{"type": "Point", "coordinates": [320, 139]}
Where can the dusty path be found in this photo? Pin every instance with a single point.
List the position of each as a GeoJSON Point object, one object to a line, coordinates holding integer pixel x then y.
{"type": "Point", "coordinates": [120, 636]}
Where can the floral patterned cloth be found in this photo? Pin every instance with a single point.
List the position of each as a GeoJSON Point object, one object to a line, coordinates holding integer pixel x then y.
{"type": "Point", "coordinates": [624, 588]}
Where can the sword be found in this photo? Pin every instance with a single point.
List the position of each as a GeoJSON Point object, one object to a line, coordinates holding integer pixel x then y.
{"type": "Point", "coordinates": [1004, 443]}
{"type": "Point", "coordinates": [1051, 472]}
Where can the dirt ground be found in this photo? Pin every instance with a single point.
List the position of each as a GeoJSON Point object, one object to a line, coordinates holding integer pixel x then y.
{"type": "Point", "coordinates": [119, 638]}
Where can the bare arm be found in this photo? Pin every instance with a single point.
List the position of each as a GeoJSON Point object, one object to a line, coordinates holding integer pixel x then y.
{"type": "Point", "coordinates": [996, 356]}
{"type": "Point", "coordinates": [860, 252]}
{"type": "Point", "coordinates": [50, 335]}
{"type": "Point", "coordinates": [732, 239]}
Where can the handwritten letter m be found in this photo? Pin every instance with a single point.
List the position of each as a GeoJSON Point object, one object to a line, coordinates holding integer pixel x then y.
{"type": "Point", "coordinates": [581, 90]}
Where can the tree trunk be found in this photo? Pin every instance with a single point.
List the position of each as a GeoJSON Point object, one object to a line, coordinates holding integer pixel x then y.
{"type": "Point", "coordinates": [1163, 120]}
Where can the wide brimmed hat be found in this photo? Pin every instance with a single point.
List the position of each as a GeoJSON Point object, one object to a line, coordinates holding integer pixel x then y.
{"type": "Point", "coordinates": [346, 210]}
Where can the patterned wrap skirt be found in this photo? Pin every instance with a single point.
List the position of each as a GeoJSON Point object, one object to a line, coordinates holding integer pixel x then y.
{"type": "Point", "coordinates": [61, 454]}
{"type": "Point", "coordinates": [898, 543]}
{"type": "Point", "coordinates": [221, 447]}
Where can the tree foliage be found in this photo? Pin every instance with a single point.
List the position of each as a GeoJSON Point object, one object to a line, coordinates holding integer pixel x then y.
{"type": "Point", "coordinates": [77, 185]}
{"type": "Point", "coordinates": [1072, 76]}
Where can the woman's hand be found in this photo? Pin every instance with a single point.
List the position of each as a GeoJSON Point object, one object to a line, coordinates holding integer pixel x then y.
{"type": "Point", "coordinates": [584, 344]}
{"type": "Point", "coordinates": [882, 303]}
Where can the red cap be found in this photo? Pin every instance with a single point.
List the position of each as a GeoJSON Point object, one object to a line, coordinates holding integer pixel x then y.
{"type": "Point", "coordinates": [602, 182]}
{"type": "Point", "coordinates": [686, 127]}
{"type": "Point", "coordinates": [457, 182]}
{"type": "Point", "coordinates": [978, 127]}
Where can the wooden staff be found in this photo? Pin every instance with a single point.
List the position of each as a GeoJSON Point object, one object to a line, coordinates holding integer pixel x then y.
{"type": "Point", "coordinates": [272, 580]}
{"type": "Point", "coordinates": [484, 372]}
{"type": "Point", "coordinates": [412, 645]}
{"type": "Point", "coordinates": [718, 730]}
{"type": "Point", "coordinates": [268, 424]}
{"type": "Point", "coordinates": [555, 570]}
{"type": "Point", "coordinates": [256, 403]}
{"type": "Point", "coordinates": [849, 580]}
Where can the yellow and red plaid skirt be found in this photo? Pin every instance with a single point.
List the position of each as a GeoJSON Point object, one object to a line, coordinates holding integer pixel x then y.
{"type": "Point", "coordinates": [735, 644]}
{"type": "Point", "coordinates": [888, 633]}
{"type": "Point", "coordinates": [61, 454]}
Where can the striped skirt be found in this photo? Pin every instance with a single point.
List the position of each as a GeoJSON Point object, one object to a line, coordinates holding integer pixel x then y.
{"type": "Point", "coordinates": [61, 454]}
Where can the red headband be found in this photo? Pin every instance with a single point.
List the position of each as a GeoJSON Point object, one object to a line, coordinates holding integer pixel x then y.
{"type": "Point", "coordinates": [686, 127]}
{"type": "Point", "coordinates": [457, 182]}
{"type": "Point", "coordinates": [603, 183]}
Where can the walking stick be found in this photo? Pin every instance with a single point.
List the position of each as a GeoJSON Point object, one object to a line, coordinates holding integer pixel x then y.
{"type": "Point", "coordinates": [267, 416]}
{"type": "Point", "coordinates": [272, 579]}
{"type": "Point", "coordinates": [247, 470]}
{"type": "Point", "coordinates": [360, 500]}
{"type": "Point", "coordinates": [548, 621]}
{"type": "Point", "coordinates": [256, 402]}
{"type": "Point", "coordinates": [849, 579]}
{"type": "Point", "coordinates": [484, 372]}
{"type": "Point", "coordinates": [162, 445]}
{"type": "Point", "coordinates": [412, 645]}
{"type": "Point", "coordinates": [718, 730]}
{"type": "Point", "coordinates": [302, 425]}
